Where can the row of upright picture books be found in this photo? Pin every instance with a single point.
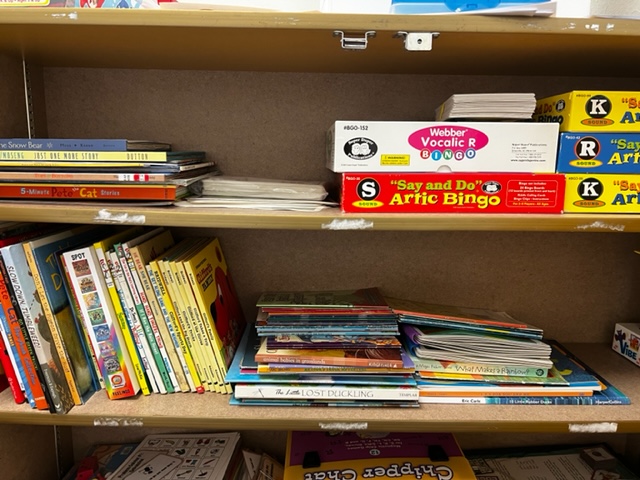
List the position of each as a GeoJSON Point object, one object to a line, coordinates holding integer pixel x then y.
{"type": "Point", "coordinates": [128, 309]}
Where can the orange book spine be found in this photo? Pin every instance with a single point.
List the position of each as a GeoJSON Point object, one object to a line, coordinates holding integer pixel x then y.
{"type": "Point", "coordinates": [87, 191]}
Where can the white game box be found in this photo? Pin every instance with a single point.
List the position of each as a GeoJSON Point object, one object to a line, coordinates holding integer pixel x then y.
{"type": "Point", "coordinates": [626, 341]}
{"type": "Point", "coordinates": [507, 147]}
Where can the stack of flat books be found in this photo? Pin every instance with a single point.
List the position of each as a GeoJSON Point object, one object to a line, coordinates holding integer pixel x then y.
{"type": "Point", "coordinates": [471, 355]}
{"type": "Point", "coordinates": [323, 348]}
{"type": "Point", "coordinates": [487, 106]}
{"type": "Point", "coordinates": [89, 170]}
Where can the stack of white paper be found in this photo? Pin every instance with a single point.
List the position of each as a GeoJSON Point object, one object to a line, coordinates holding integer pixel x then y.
{"type": "Point", "coordinates": [487, 106]}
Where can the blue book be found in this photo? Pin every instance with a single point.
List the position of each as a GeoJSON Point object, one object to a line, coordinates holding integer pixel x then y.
{"type": "Point", "coordinates": [81, 144]}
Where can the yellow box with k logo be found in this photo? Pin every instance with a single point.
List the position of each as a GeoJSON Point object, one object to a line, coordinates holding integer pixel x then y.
{"type": "Point", "coordinates": [602, 193]}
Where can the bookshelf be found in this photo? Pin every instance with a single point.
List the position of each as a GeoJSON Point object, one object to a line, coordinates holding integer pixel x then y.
{"type": "Point", "coordinates": [258, 91]}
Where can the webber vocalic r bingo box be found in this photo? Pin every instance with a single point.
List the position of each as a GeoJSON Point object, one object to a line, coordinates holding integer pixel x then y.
{"type": "Point", "coordinates": [512, 147]}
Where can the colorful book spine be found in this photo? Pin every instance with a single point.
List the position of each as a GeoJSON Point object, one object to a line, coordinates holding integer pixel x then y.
{"type": "Point", "coordinates": [208, 278]}
{"type": "Point", "coordinates": [88, 191]}
{"type": "Point", "coordinates": [79, 177]}
{"type": "Point", "coordinates": [146, 318]}
{"type": "Point", "coordinates": [424, 364]}
{"type": "Point", "coordinates": [324, 392]}
{"type": "Point", "coordinates": [174, 324]}
{"type": "Point", "coordinates": [204, 368]}
{"type": "Point", "coordinates": [63, 144]}
{"type": "Point", "coordinates": [156, 357]}
{"type": "Point", "coordinates": [144, 350]}
{"type": "Point", "coordinates": [41, 255]}
{"type": "Point", "coordinates": [37, 352]}
{"type": "Point", "coordinates": [141, 254]}
{"type": "Point", "coordinates": [193, 313]}
{"type": "Point", "coordinates": [12, 369]}
{"type": "Point", "coordinates": [96, 376]}
{"type": "Point", "coordinates": [99, 318]}
{"type": "Point", "coordinates": [85, 156]}
{"type": "Point", "coordinates": [101, 247]}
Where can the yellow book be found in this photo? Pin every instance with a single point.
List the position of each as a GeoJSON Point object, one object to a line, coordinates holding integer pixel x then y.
{"type": "Point", "coordinates": [142, 254]}
{"type": "Point", "coordinates": [166, 305]}
{"type": "Point", "coordinates": [199, 358]}
{"type": "Point", "coordinates": [101, 247]}
{"type": "Point", "coordinates": [212, 287]}
{"type": "Point", "coordinates": [193, 314]}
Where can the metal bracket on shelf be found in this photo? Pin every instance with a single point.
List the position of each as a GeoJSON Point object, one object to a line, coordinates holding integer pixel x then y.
{"type": "Point", "coordinates": [354, 43]}
{"type": "Point", "coordinates": [28, 96]}
{"type": "Point", "coordinates": [418, 41]}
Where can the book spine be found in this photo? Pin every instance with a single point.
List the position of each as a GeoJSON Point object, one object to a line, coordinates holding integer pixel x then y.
{"type": "Point", "coordinates": [177, 333]}
{"type": "Point", "coordinates": [37, 375]}
{"type": "Point", "coordinates": [187, 326]}
{"type": "Point", "coordinates": [88, 191]}
{"type": "Point", "coordinates": [335, 361]}
{"type": "Point", "coordinates": [479, 369]}
{"type": "Point", "coordinates": [199, 324]}
{"type": "Point", "coordinates": [83, 156]}
{"type": "Point", "coordinates": [62, 176]}
{"type": "Point", "coordinates": [85, 276]}
{"type": "Point", "coordinates": [97, 379]}
{"type": "Point", "coordinates": [57, 144]}
{"type": "Point", "coordinates": [7, 359]}
{"type": "Point", "coordinates": [148, 320]}
{"type": "Point", "coordinates": [321, 392]}
{"type": "Point", "coordinates": [121, 318]}
{"type": "Point", "coordinates": [526, 400]}
{"type": "Point", "coordinates": [54, 328]}
{"type": "Point", "coordinates": [150, 301]}
{"type": "Point", "coordinates": [188, 278]}
{"type": "Point", "coordinates": [153, 376]}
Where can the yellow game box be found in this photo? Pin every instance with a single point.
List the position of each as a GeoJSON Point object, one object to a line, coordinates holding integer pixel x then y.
{"type": "Point", "coordinates": [589, 193]}
{"type": "Point", "coordinates": [591, 111]}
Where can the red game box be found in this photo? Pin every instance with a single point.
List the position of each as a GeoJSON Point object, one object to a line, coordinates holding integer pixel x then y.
{"type": "Point", "coordinates": [452, 193]}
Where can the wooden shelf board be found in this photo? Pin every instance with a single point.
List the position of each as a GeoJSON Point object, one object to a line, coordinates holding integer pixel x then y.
{"type": "Point", "coordinates": [331, 219]}
{"type": "Point", "coordinates": [304, 42]}
{"type": "Point", "coordinates": [213, 411]}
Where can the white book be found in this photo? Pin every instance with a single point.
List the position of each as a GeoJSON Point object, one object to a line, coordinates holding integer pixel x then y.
{"type": "Point", "coordinates": [102, 327]}
{"type": "Point", "coordinates": [144, 350]}
{"type": "Point", "coordinates": [506, 106]}
{"type": "Point", "coordinates": [325, 392]}
{"type": "Point", "coordinates": [140, 298]}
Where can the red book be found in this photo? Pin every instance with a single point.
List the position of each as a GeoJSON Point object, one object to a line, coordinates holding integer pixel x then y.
{"type": "Point", "coordinates": [91, 191]}
{"type": "Point", "coordinates": [10, 379]}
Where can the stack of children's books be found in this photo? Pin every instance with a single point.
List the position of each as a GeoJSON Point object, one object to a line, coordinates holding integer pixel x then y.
{"type": "Point", "coordinates": [323, 348]}
{"type": "Point", "coordinates": [475, 356]}
{"type": "Point", "coordinates": [126, 310]}
{"type": "Point", "coordinates": [89, 170]}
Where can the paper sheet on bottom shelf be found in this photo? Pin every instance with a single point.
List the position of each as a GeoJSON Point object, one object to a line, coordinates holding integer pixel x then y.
{"type": "Point", "coordinates": [181, 456]}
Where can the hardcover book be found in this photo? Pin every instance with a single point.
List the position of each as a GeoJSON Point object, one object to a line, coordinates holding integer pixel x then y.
{"type": "Point", "coordinates": [210, 280]}
{"type": "Point", "coordinates": [143, 310]}
{"type": "Point", "coordinates": [355, 455]}
{"type": "Point", "coordinates": [130, 343]}
{"type": "Point", "coordinates": [82, 144]}
{"type": "Point", "coordinates": [139, 256]}
{"type": "Point", "coordinates": [360, 357]}
{"type": "Point", "coordinates": [41, 256]}
{"type": "Point", "coordinates": [87, 281]}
